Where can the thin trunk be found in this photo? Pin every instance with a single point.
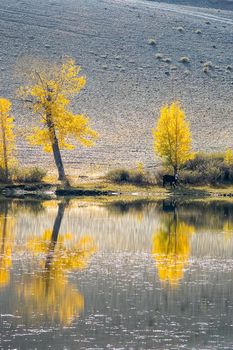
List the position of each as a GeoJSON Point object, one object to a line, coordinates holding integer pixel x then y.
{"type": "Point", "coordinates": [4, 149]}
{"type": "Point", "coordinates": [55, 233]}
{"type": "Point", "coordinates": [56, 149]}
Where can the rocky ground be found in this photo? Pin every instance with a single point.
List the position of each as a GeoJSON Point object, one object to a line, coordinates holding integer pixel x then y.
{"type": "Point", "coordinates": [136, 56]}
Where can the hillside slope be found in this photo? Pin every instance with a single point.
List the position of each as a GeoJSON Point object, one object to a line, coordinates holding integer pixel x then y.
{"type": "Point", "coordinates": [127, 82]}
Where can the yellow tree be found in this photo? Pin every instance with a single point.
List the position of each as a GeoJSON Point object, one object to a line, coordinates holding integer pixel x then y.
{"type": "Point", "coordinates": [7, 144]}
{"type": "Point", "coordinates": [49, 93]}
{"type": "Point", "coordinates": [172, 137]}
{"type": "Point", "coordinates": [228, 159]}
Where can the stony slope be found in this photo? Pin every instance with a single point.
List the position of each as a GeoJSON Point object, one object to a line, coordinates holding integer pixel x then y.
{"type": "Point", "coordinates": [126, 82]}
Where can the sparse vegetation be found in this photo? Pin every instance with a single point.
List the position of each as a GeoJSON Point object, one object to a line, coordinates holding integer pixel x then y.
{"type": "Point", "coordinates": [152, 42]}
{"type": "Point", "coordinates": [159, 56]}
{"type": "Point", "coordinates": [208, 65]}
{"type": "Point", "coordinates": [184, 59]}
{"type": "Point", "coordinates": [167, 60]}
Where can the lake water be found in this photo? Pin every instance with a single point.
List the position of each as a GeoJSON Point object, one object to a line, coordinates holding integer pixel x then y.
{"type": "Point", "coordinates": [83, 275]}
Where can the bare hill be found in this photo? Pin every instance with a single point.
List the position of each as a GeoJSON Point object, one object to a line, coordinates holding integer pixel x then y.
{"type": "Point", "coordinates": [136, 55]}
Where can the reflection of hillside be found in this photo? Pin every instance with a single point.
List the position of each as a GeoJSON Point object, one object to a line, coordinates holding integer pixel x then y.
{"type": "Point", "coordinates": [171, 249]}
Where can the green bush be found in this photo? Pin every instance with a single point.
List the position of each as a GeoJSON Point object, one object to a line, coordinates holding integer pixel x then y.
{"type": "Point", "coordinates": [29, 175]}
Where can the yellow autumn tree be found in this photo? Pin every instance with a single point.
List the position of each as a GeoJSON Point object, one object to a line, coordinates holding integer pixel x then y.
{"type": "Point", "coordinates": [49, 93]}
{"type": "Point", "coordinates": [7, 138]}
{"type": "Point", "coordinates": [172, 137]}
{"type": "Point", "coordinates": [228, 158]}
{"type": "Point", "coordinates": [171, 250]}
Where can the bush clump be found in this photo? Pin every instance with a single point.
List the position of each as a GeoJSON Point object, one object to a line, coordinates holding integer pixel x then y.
{"type": "Point", "coordinates": [207, 169]}
{"type": "Point", "coordinates": [134, 177]}
{"type": "Point", "coordinates": [29, 175]}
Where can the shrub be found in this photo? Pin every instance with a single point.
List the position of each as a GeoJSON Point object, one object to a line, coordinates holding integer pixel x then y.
{"type": "Point", "coordinates": [29, 175]}
{"type": "Point", "coordinates": [135, 177]}
{"type": "Point", "coordinates": [208, 65]}
{"type": "Point", "coordinates": [204, 169]}
{"type": "Point", "coordinates": [159, 56]}
{"type": "Point", "coordinates": [3, 178]}
{"type": "Point", "coordinates": [197, 31]}
{"type": "Point", "coordinates": [180, 29]}
{"type": "Point", "coordinates": [207, 169]}
{"type": "Point", "coordinates": [167, 60]}
{"type": "Point", "coordinates": [184, 59]}
{"type": "Point", "coordinates": [152, 42]}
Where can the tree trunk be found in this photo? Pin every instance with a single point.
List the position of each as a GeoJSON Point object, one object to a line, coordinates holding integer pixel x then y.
{"type": "Point", "coordinates": [56, 149]}
{"type": "Point", "coordinates": [58, 159]}
{"type": "Point", "coordinates": [55, 233]}
{"type": "Point", "coordinates": [4, 151]}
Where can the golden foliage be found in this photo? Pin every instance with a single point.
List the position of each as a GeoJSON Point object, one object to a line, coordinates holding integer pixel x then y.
{"type": "Point", "coordinates": [171, 250]}
{"type": "Point", "coordinates": [172, 136]}
{"type": "Point", "coordinates": [7, 138]}
{"type": "Point", "coordinates": [50, 92]}
{"type": "Point", "coordinates": [228, 158]}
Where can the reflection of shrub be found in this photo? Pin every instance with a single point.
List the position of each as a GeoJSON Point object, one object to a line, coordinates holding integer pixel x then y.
{"type": "Point", "coordinates": [29, 175]}
{"type": "Point", "coordinates": [135, 177]}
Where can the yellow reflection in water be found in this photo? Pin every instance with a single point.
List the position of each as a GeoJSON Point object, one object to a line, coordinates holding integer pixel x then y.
{"type": "Point", "coordinates": [6, 245]}
{"type": "Point", "coordinates": [49, 293]}
{"type": "Point", "coordinates": [171, 250]}
{"type": "Point", "coordinates": [65, 253]}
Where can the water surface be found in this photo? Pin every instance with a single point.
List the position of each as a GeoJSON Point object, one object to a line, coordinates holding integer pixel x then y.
{"type": "Point", "coordinates": [82, 275]}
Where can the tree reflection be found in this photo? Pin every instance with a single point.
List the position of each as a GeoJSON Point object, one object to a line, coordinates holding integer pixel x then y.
{"type": "Point", "coordinates": [171, 248]}
{"type": "Point", "coordinates": [48, 293]}
{"type": "Point", "coordinates": [6, 243]}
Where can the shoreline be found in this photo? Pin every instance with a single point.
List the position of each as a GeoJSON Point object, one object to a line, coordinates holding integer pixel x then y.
{"type": "Point", "coordinates": [112, 191]}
